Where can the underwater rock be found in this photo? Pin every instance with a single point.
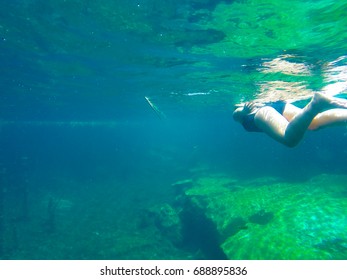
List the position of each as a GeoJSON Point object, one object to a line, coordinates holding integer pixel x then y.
{"type": "Point", "coordinates": [187, 182]}
{"type": "Point", "coordinates": [335, 246]}
{"type": "Point", "coordinates": [167, 220]}
{"type": "Point", "coordinates": [233, 226]}
{"type": "Point", "coordinates": [267, 218]}
{"type": "Point", "coordinates": [261, 217]}
{"type": "Point", "coordinates": [200, 233]}
{"type": "Point", "coordinates": [53, 208]}
{"type": "Point", "coordinates": [182, 185]}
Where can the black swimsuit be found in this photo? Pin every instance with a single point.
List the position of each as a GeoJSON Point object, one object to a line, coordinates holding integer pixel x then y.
{"type": "Point", "coordinates": [248, 121]}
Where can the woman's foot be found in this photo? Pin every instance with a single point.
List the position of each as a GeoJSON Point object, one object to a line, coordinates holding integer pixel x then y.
{"type": "Point", "coordinates": [321, 102]}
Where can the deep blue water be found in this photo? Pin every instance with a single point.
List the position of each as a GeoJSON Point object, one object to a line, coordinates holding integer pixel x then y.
{"type": "Point", "coordinates": [77, 134]}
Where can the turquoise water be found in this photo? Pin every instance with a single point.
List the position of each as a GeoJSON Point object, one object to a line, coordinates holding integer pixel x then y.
{"type": "Point", "coordinates": [89, 170]}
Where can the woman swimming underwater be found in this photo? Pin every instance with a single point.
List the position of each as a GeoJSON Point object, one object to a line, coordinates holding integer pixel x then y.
{"type": "Point", "coordinates": [287, 123]}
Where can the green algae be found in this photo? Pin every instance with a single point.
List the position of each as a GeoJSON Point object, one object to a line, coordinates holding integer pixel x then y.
{"type": "Point", "coordinates": [261, 217]}
{"type": "Point", "coordinates": [276, 220]}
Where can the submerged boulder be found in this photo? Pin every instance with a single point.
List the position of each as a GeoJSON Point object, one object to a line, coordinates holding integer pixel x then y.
{"type": "Point", "coordinates": [267, 218]}
{"type": "Point", "coordinates": [167, 220]}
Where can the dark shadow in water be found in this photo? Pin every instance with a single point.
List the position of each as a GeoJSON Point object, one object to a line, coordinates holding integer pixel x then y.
{"type": "Point", "coordinates": [233, 227]}
{"type": "Point", "coordinates": [200, 234]}
{"type": "Point", "coordinates": [261, 217]}
{"type": "Point", "coordinates": [336, 247]}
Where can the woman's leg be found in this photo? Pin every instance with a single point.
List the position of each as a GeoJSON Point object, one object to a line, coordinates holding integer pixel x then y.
{"type": "Point", "coordinates": [325, 119]}
{"type": "Point", "coordinates": [291, 132]}
{"type": "Point", "coordinates": [272, 123]}
{"type": "Point", "coordinates": [328, 118]}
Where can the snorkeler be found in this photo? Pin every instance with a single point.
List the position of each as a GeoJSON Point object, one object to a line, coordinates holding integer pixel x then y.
{"type": "Point", "coordinates": [287, 123]}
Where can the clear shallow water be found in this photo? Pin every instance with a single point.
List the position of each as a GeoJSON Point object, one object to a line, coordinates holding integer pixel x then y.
{"type": "Point", "coordinates": [83, 154]}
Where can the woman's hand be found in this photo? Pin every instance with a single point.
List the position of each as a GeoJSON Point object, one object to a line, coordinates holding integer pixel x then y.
{"type": "Point", "coordinates": [249, 107]}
